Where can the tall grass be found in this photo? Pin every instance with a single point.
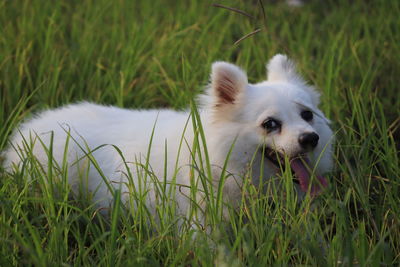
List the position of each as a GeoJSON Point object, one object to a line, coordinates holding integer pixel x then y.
{"type": "Point", "coordinates": [144, 54]}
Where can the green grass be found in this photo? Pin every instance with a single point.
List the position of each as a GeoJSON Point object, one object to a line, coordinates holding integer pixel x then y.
{"type": "Point", "coordinates": [144, 54]}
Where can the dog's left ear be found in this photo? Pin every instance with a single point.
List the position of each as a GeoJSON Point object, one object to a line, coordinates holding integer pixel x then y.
{"type": "Point", "coordinates": [228, 82]}
{"type": "Point", "coordinates": [281, 68]}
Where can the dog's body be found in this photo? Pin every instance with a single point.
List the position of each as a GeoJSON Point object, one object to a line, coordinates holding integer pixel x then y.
{"type": "Point", "coordinates": [247, 122]}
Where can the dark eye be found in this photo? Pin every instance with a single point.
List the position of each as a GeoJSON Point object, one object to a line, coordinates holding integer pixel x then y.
{"type": "Point", "coordinates": [307, 115]}
{"type": "Point", "coordinates": [271, 125]}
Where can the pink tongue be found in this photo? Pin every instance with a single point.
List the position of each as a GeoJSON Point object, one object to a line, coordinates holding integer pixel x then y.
{"type": "Point", "coordinates": [303, 174]}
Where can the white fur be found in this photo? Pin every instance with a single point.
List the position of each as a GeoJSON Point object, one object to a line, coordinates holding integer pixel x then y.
{"type": "Point", "coordinates": [232, 112]}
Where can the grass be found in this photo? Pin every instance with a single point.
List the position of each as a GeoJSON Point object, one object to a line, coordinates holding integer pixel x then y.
{"type": "Point", "coordinates": [145, 54]}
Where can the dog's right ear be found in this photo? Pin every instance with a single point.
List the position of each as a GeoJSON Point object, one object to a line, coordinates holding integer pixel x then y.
{"type": "Point", "coordinates": [228, 82]}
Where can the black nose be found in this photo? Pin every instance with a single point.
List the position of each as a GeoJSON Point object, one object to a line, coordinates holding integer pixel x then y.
{"type": "Point", "coordinates": [308, 140]}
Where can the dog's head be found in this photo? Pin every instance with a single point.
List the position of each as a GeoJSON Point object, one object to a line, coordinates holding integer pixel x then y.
{"type": "Point", "coordinates": [280, 115]}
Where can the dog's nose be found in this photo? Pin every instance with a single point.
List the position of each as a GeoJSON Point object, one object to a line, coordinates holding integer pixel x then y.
{"type": "Point", "coordinates": [308, 140]}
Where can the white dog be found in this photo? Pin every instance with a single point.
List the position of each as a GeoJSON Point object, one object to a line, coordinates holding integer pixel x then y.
{"type": "Point", "coordinates": [259, 123]}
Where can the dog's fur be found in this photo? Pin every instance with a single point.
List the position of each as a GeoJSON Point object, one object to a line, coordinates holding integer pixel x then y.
{"type": "Point", "coordinates": [233, 116]}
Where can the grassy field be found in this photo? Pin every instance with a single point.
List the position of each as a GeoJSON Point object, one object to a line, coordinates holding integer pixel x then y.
{"type": "Point", "coordinates": [145, 54]}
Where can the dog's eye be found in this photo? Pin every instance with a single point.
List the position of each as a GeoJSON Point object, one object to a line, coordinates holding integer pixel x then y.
{"type": "Point", "coordinates": [271, 125]}
{"type": "Point", "coordinates": [307, 115]}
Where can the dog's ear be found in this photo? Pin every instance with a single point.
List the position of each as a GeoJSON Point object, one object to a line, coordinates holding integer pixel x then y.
{"type": "Point", "coordinates": [281, 68]}
{"type": "Point", "coordinates": [228, 82]}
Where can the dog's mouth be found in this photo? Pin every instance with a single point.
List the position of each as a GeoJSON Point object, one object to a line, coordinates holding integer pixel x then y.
{"type": "Point", "coordinates": [301, 167]}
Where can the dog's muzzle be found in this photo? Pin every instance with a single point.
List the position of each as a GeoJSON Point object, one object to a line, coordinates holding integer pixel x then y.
{"type": "Point", "coordinates": [302, 169]}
